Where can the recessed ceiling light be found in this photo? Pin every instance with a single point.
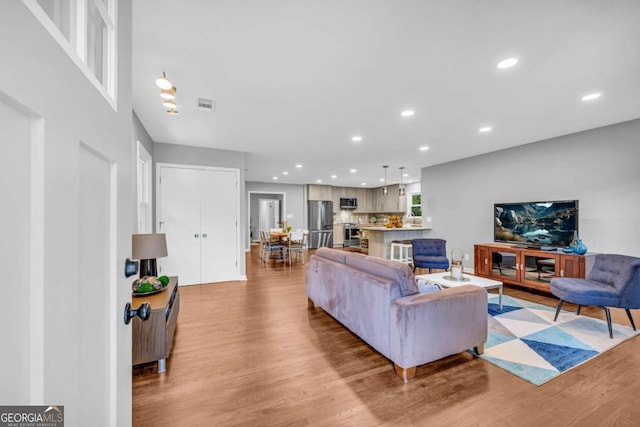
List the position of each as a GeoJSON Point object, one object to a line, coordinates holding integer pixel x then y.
{"type": "Point", "coordinates": [318, 181]}
{"type": "Point", "coordinates": [363, 183]}
{"type": "Point", "coordinates": [405, 175]}
{"type": "Point", "coordinates": [425, 148]}
{"type": "Point", "coordinates": [285, 173]}
{"type": "Point", "coordinates": [169, 104]}
{"type": "Point", "coordinates": [591, 96]}
{"type": "Point", "coordinates": [334, 176]}
{"type": "Point", "coordinates": [356, 138]}
{"type": "Point", "coordinates": [275, 177]}
{"type": "Point", "coordinates": [485, 129]}
{"type": "Point", "coordinates": [507, 63]}
{"type": "Point", "coordinates": [298, 166]}
{"type": "Point", "coordinates": [353, 170]}
{"type": "Point", "coordinates": [408, 113]}
{"type": "Point", "coordinates": [381, 179]}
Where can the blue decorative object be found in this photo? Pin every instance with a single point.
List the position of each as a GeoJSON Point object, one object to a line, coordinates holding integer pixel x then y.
{"type": "Point", "coordinates": [577, 245]}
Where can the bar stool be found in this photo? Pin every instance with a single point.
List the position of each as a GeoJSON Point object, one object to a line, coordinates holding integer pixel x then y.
{"type": "Point", "coordinates": [402, 249]}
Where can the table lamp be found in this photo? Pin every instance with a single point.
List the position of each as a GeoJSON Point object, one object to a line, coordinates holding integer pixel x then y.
{"type": "Point", "coordinates": [146, 248]}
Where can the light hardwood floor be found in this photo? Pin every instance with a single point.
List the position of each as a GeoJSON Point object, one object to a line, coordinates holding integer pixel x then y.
{"type": "Point", "coordinates": [252, 353]}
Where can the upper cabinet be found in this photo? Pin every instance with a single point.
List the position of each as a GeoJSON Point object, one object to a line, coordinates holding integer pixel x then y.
{"type": "Point", "coordinates": [320, 192]}
{"type": "Point", "coordinates": [390, 203]}
{"type": "Point", "coordinates": [370, 200]}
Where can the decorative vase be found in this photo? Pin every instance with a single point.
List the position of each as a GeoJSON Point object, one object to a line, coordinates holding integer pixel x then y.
{"type": "Point", "coordinates": [578, 246]}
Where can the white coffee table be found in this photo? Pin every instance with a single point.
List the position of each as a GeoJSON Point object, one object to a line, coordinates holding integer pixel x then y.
{"type": "Point", "coordinates": [440, 279]}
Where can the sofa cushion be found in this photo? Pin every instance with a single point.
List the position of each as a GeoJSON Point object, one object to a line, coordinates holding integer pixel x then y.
{"type": "Point", "coordinates": [393, 270]}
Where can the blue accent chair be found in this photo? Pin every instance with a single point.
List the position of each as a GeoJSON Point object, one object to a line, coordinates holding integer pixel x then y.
{"type": "Point", "coordinates": [430, 253]}
{"type": "Point", "coordinates": [614, 281]}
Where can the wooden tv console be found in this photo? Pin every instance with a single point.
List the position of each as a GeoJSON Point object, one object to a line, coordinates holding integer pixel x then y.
{"type": "Point", "coordinates": [152, 339]}
{"type": "Point", "coordinates": [531, 268]}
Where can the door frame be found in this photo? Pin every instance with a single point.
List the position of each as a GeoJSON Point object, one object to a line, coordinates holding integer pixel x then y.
{"type": "Point", "coordinates": [160, 165]}
{"type": "Point", "coordinates": [283, 217]}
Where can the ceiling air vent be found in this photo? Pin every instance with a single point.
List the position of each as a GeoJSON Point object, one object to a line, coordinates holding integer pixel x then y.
{"type": "Point", "coordinates": [207, 105]}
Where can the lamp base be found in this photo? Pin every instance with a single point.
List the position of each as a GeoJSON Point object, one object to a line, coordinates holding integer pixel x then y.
{"type": "Point", "coordinates": [148, 267]}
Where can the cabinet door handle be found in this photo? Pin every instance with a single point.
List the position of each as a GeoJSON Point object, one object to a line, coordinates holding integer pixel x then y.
{"type": "Point", "coordinates": [486, 261]}
{"type": "Point", "coordinates": [517, 266]}
{"type": "Point", "coordinates": [196, 235]}
{"type": "Point", "coordinates": [204, 235]}
{"type": "Point", "coordinates": [561, 273]}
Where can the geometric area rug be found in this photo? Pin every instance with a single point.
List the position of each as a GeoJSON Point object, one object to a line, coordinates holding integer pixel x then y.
{"type": "Point", "coordinates": [525, 341]}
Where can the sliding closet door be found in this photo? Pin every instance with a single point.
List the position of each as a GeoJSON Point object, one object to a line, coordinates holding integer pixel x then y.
{"type": "Point", "coordinates": [219, 213]}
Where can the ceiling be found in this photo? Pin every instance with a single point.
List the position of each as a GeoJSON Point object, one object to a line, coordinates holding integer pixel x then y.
{"type": "Point", "coordinates": [294, 80]}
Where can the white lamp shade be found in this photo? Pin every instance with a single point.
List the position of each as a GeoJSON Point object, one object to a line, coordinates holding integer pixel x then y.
{"type": "Point", "coordinates": [148, 246]}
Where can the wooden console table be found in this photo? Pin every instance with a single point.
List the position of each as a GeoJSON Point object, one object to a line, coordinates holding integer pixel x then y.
{"type": "Point", "coordinates": [152, 339]}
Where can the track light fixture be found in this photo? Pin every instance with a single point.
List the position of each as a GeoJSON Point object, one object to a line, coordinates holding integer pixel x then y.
{"type": "Point", "coordinates": [167, 93]}
{"type": "Point", "coordinates": [163, 82]}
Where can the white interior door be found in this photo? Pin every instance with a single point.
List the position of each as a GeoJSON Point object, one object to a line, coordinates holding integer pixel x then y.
{"type": "Point", "coordinates": [96, 285]}
{"type": "Point", "coordinates": [219, 219]}
{"type": "Point", "coordinates": [179, 218]}
{"type": "Point", "coordinates": [15, 248]}
{"type": "Point", "coordinates": [198, 210]}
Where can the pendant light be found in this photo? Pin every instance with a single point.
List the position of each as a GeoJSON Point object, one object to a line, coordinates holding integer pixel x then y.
{"type": "Point", "coordinates": [385, 189]}
{"type": "Point", "coordinates": [402, 191]}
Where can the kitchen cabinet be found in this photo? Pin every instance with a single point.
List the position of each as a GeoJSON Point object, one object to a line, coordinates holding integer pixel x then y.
{"type": "Point", "coordinates": [370, 200]}
{"type": "Point", "coordinates": [338, 193]}
{"type": "Point", "coordinates": [338, 235]}
{"type": "Point", "coordinates": [320, 192]}
{"type": "Point", "coordinates": [361, 195]}
{"type": "Point", "coordinates": [532, 268]}
{"type": "Point", "coordinates": [391, 203]}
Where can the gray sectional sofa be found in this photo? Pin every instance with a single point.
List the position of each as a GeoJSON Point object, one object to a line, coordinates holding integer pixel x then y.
{"type": "Point", "coordinates": [378, 300]}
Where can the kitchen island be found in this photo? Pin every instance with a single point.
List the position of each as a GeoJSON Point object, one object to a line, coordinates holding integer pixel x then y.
{"type": "Point", "coordinates": [380, 238]}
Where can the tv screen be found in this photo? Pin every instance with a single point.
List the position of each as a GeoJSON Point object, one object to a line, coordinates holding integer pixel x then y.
{"type": "Point", "coordinates": [536, 223]}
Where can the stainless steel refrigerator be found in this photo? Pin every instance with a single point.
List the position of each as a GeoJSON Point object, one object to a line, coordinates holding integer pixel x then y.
{"type": "Point", "coordinates": [320, 224]}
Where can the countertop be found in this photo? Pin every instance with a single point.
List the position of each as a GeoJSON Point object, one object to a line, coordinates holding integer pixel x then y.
{"type": "Point", "coordinates": [385, 229]}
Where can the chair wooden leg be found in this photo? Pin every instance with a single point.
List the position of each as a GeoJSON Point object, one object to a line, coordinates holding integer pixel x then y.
{"type": "Point", "coordinates": [558, 309]}
{"type": "Point", "coordinates": [578, 312]}
{"type": "Point", "coordinates": [479, 349]}
{"type": "Point", "coordinates": [633, 325]}
{"type": "Point", "coordinates": [607, 313]}
{"type": "Point", "coordinates": [310, 303]}
{"type": "Point", "coordinates": [405, 375]}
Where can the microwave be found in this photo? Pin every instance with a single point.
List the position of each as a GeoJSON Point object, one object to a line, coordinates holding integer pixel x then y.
{"type": "Point", "coordinates": [348, 203]}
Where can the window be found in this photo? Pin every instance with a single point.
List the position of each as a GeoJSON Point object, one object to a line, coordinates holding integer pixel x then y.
{"type": "Point", "coordinates": [86, 30]}
{"type": "Point", "coordinates": [416, 205]}
{"type": "Point", "coordinates": [144, 190]}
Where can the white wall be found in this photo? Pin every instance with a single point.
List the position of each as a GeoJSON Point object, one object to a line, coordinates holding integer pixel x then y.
{"type": "Point", "coordinates": [201, 156]}
{"type": "Point", "coordinates": [599, 167]}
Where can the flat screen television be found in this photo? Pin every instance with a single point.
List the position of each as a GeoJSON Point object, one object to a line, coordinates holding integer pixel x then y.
{"type": "Point", "coordinates": [550, 224]}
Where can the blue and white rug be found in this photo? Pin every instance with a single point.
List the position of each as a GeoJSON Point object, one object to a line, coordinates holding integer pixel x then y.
{"type": "Point", "coordinates": [524, 339]}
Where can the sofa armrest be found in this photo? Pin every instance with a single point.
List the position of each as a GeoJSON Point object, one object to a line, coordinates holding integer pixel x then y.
{"type": "Point", "coordinates": [428, 327]}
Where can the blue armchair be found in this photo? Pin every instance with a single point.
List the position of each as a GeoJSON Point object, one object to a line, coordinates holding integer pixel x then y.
{"type": "Point", "coordinates": [614, 281]}
{"type": "Point", "coordinates": [430, 253]}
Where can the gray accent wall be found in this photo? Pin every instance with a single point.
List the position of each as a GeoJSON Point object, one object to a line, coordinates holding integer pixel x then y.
{"type": "Point", "coordinates": [599, 167]}
{"type": "Point", "coordinates": [294, 202]}
{"type": "Point", "coordinates": [201, 156]}
{"type": "Point", "coordinates": [141, 134]}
